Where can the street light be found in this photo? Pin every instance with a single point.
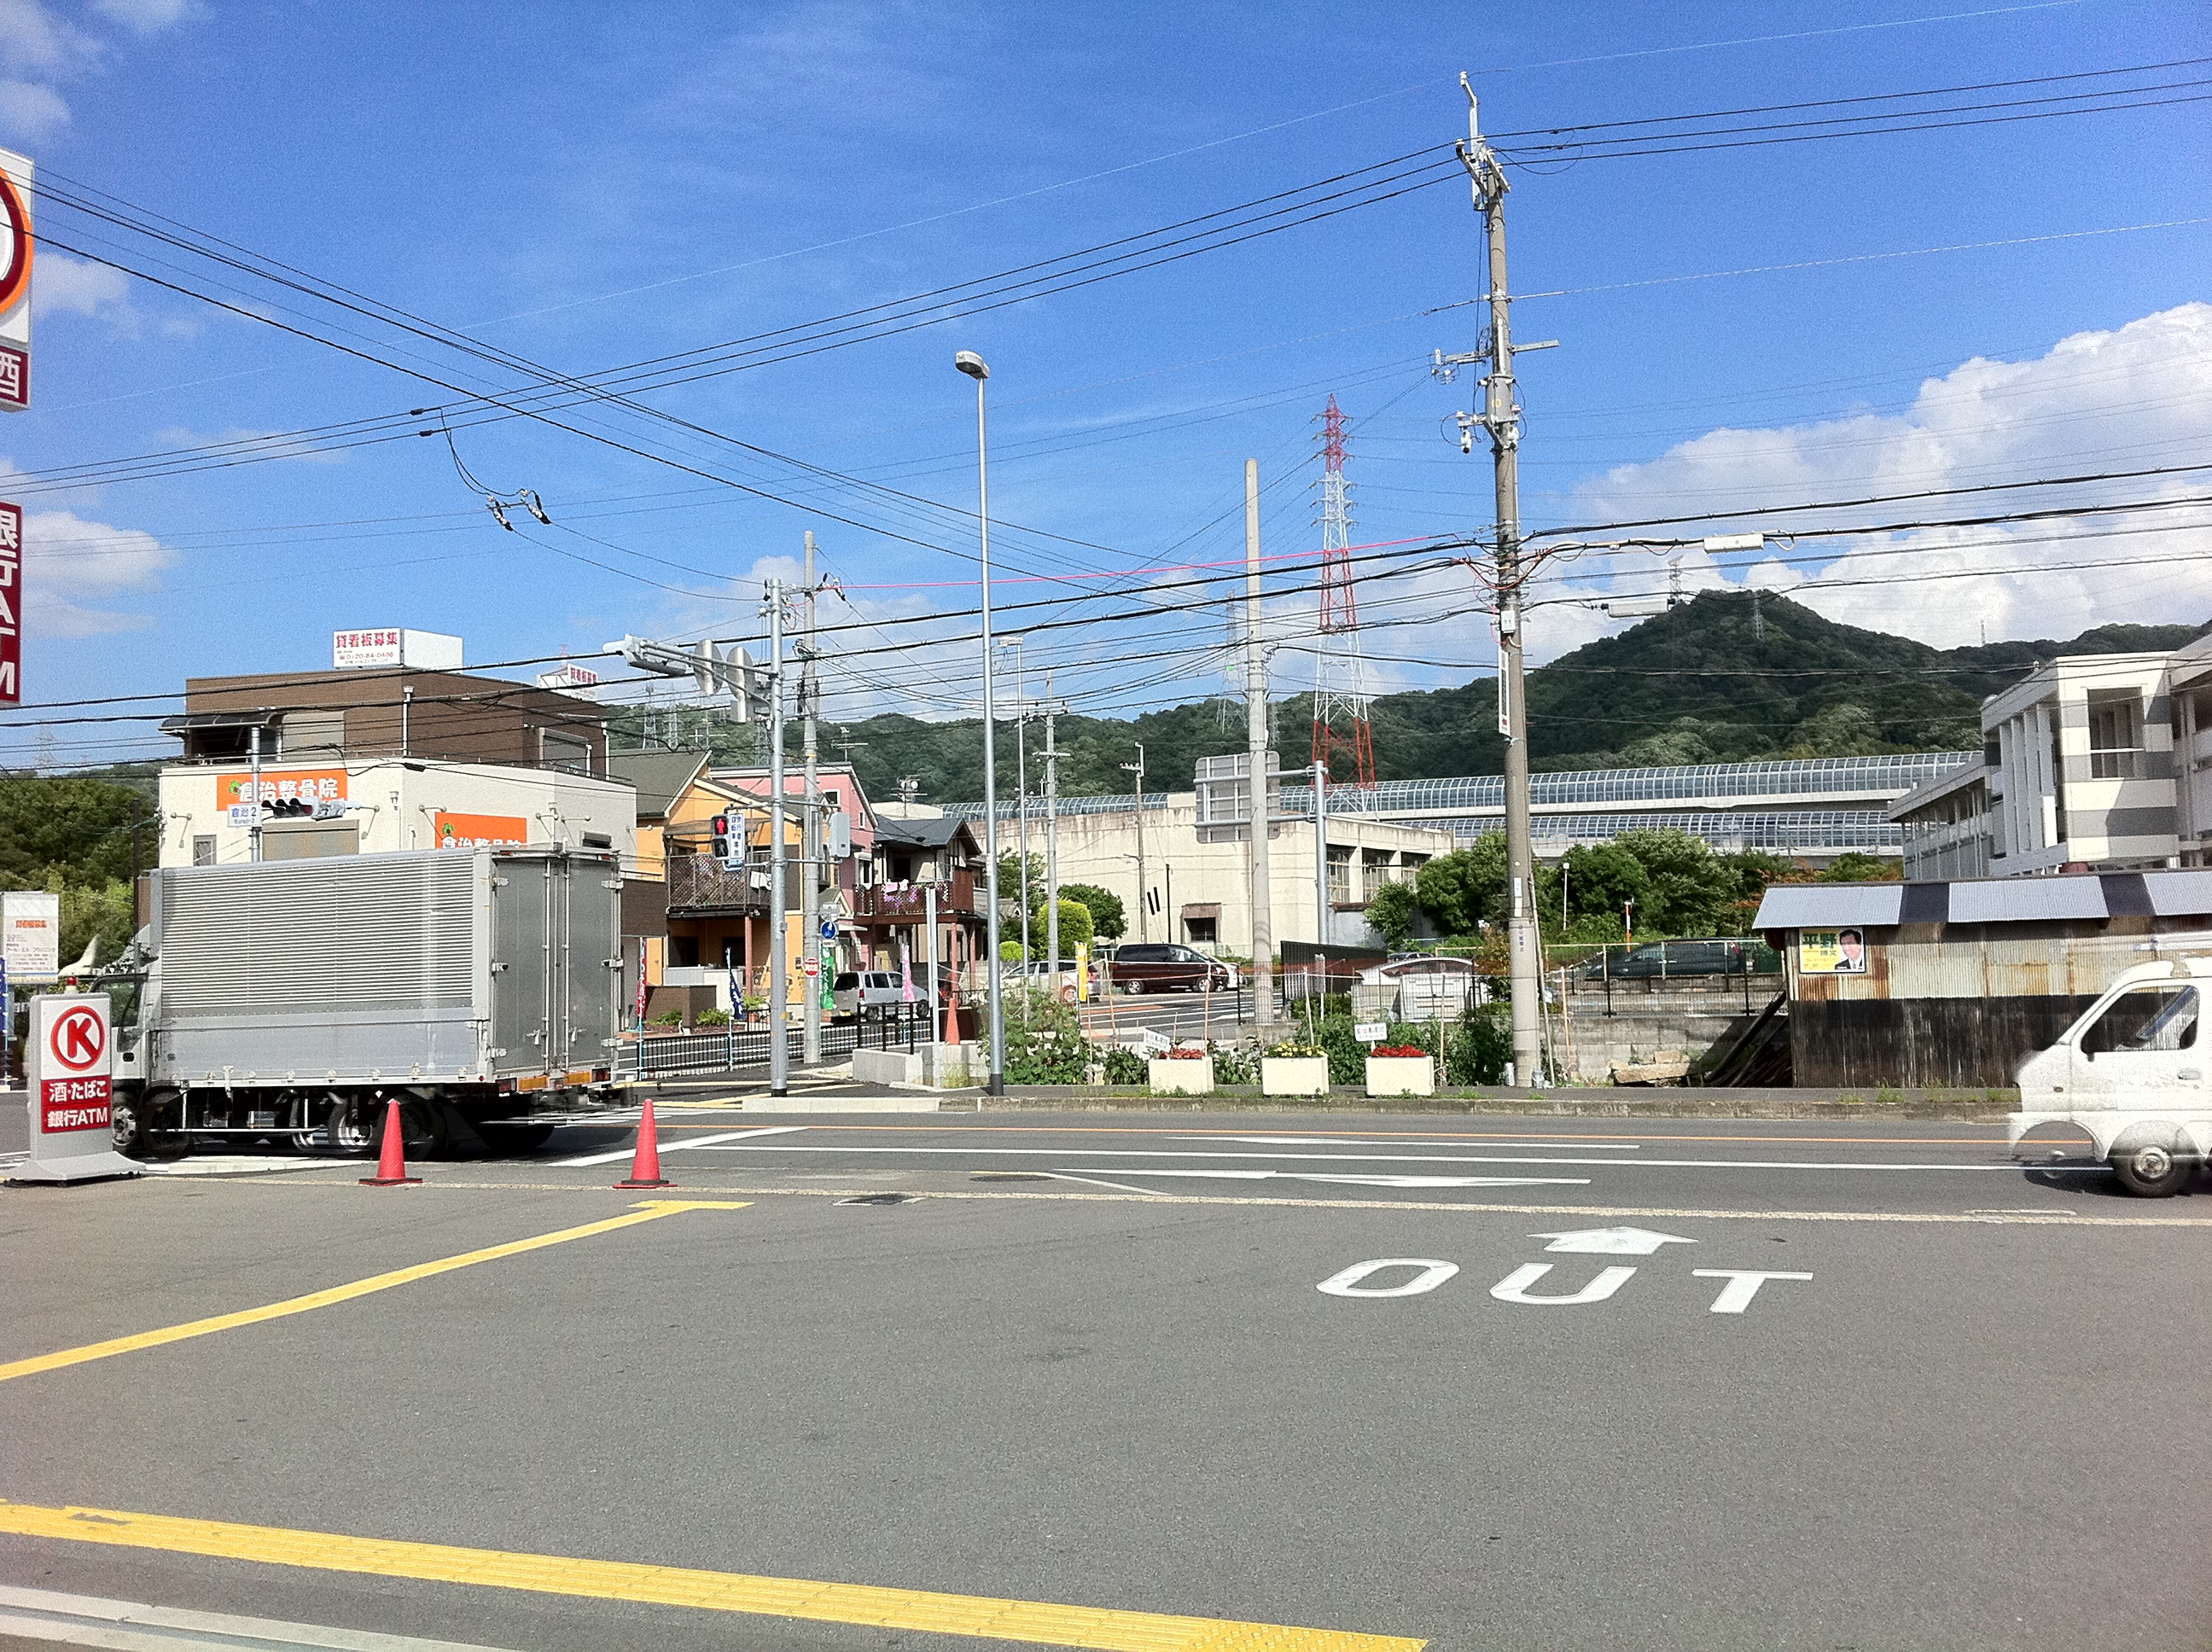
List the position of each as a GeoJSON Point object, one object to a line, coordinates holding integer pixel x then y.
{"type": "Point", "coordinates": [973, 364]}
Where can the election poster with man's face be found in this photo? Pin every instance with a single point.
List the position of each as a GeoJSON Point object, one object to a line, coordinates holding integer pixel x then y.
{"type": "Point", "coordinates": [1832, 952]}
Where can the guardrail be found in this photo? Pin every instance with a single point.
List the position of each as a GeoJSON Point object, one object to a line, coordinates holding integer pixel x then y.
{"type": "Point", "coordinates": [667, 1054]}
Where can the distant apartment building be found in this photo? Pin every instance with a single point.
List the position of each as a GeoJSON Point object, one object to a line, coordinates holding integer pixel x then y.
{"type": "Point", "coordinates": [2094, 763]}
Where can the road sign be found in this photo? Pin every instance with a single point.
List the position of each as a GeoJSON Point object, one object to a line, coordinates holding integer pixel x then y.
{"type": "Point", "coordinates": [814, 966]}
{"type": "Point", "coordinates": [828, 929]}
{"type": "Point", "coordinates": [70, 1092]}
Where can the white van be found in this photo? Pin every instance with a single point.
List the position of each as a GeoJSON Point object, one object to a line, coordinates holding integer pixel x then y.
{"type": "Point", "coordinates": [2132, 1073]}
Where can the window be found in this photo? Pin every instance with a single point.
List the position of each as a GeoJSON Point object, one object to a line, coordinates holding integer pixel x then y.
{"type": "Point", "coordinates": [1203, 931]}
{"type": "Point", "coordinates": [2114, 736]}
{"type": "Point", "coordinates": [564, 751]}
{"type": "Point", "coordinates": [203, 852]}
{"type": "Point", "coordinates": [2159, 1018]}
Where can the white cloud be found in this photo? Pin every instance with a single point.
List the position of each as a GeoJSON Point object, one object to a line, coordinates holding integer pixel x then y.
{"type": "Point", "coordinates": [71, 564]}
{"type": "Point", "coordinates": [61, 285]}
{"type": "Point", "coordinates": [2134, 397]}
{"type": "Point", "coordinates": [40, 49]}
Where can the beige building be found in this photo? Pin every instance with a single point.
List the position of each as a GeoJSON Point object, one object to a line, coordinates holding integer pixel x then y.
{"type": "Point", "coordinates": [1200, 892]}
{"type": "Point", "coordinates": [369, 805]}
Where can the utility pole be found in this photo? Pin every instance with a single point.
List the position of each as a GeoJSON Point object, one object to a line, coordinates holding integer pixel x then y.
{"type": "Point", "coordinates": [1022, 794]}
{"type": "Point", "coordinates": [254, 756]}
{"type": "Point", "coordinates": [1138, 769]}
{"type": "Point", "coordinates": [1502, 419]}
{"type": "Point", "coordinates": [1258, 769]}
{"type": "Point", "coordinates": [779, 988]}
{"type": "Point", "coordinates": [1051, 835]}
{"type": "Point", "coordinates": [1321, 858]}
{"type": "Point", "coordinates": [810, 845]}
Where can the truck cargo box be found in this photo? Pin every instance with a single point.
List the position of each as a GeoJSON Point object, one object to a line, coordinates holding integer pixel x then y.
{"type": "Point", "coordinates": [474, 967]}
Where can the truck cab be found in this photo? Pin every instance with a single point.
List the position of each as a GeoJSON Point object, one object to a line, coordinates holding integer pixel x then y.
{"type": "Point", "coordinates": [2130, 1073]}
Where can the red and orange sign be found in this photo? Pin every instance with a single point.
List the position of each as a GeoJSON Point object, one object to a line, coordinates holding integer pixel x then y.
{"type": "Point", "coordinates": [281, 785]}
{"type": "Point", "coordinates": [480, 831]}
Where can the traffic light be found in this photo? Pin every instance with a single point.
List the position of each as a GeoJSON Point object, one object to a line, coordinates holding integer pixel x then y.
{"type": "Point", "coordinates": [287, 808]}
{"type": "Point", "coordinates": [720, 828]}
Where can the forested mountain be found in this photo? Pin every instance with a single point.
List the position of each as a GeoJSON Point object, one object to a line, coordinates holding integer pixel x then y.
{"type": "Point", "coordinates": [1716, 680]}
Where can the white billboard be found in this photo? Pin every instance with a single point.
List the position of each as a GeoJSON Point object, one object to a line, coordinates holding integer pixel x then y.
{"type": "Point", "coordinates": [14, 282]}
{"type": "Point", "coordinates": [31, 934]}
{"type": "Point", "coordinates": [391, 645]}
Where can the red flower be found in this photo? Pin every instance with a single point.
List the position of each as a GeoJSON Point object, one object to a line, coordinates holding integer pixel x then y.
{"type": "Point", "coordinates": [1399, 1051]}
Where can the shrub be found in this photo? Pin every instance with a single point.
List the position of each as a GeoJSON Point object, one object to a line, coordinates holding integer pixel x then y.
{"type": "Point", "coordinates": [1234, 1065]}
{"type": "Point", "coordinates": [1125, 1067]}
{"type": "Point", "coordinates": [1480, 1046]}
{"type": "Point", "coordinates": [668, 1018]}
{"type": "Point", "coordinates": [711, 1019]}
{"type": "Point", "coordinates": [1045, 1043]}
{"type": "Point", "coordinates": [1347, 1056]}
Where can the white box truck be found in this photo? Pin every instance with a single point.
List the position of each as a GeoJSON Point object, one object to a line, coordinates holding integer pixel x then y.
{"type": "Point", "coordinates": [294, 999]}
{"type": "Point", "coordinates": [2130, 1073]}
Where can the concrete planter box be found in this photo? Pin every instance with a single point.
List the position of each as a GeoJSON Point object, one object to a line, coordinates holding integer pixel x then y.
{"type": "Point", "coordinates": [1294, 1075]}
{"type": "Point", "coordinates": [1401, 1075]}
{"type": "Point", "coordinates": [1181, 1078]}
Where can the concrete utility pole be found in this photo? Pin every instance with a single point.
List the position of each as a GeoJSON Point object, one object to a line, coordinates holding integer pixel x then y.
{"type": "Point", "coordinates": [1138, 769]}
{"type": "Point", "coordinates": [974, 366]}
{"type": "Point", "coordinates": [1051, 835]}
{"type": "Point", "coordinates": [810, 844]}
{"type": "Point", "coordinates": [1320, 858]}
{"type": "Point", "coordinates": [1256, 764]}
{"type": "Point", "coordinates": [1022, 795]}
{"type": "Point", "coordinates": [779, 987]}
{"type": "Point", "coordinates": [1502, 418]}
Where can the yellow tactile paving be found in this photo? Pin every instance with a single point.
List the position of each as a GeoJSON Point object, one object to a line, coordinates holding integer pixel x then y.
{"type": "Point", "coordinates": [649, 1211]}
{"type": "Point", "coordinates": [920, 1611]}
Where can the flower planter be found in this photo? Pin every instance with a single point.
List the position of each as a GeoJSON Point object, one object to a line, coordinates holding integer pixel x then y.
{"type": "Point", "coordinates": [1294, 1075]}
{"type": "Point", "coordinates": [1171, 1078]}
{"type": "Point", "coordinates": [1401, 1075]}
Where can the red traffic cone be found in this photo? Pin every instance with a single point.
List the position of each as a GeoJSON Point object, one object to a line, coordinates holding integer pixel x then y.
{"type": "Point", "coordinates": [391, 1162]}
{"type": "Point", "coordinates": [951, 1020]}
{"type": "Point", "coordinates": [645, 1167]}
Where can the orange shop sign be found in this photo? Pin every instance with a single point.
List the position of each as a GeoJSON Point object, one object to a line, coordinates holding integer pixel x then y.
{"type": "Point", "coordinates": [281, 785]}
{"type": "Point", "coordinates": [480, 831]}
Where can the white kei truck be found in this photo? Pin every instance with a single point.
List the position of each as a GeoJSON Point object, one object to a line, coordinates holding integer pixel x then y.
{"type": "Point", "coordinates": [2130, 1073]}
{"type": "Point", "coordinates": [291, 1001]}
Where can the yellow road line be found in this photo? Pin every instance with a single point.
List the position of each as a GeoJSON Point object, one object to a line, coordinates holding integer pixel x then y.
{"type": "Point", "coordinates": [918, 1610]}
{"type": "Point", "coordinates": [651, 1210]}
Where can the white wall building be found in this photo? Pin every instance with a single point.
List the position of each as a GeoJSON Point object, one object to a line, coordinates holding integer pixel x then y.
{"type": "Point", "coordinates": [2098, 762]}
{"type": "Point", "coordinates": [375, 804]}
{"type": "Point", "coordinates": [1202, 892]}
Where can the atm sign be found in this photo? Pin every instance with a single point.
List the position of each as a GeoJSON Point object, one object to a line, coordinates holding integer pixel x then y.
{"type": "Point", "coordinates": [67, 1104]}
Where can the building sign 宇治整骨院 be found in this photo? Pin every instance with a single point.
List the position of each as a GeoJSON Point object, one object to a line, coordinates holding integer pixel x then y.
{"type": "Point", "coordinates": [282, 785]}
{"type": "Point", "coordinates": [1832, 952]}
{"type": "Point", "coordinates": [479, 831]}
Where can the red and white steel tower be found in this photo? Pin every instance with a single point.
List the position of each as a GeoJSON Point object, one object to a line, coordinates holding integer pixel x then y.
{"type": "Point", "coordinates": [1341, 737]}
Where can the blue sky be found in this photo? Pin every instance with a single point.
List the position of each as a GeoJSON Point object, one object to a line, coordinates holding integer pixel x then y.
{"type": "Point", "coordinates": [591, 186]}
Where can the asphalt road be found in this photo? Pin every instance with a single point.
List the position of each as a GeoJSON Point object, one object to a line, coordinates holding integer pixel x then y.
{"type": "Point", "coordinates": [1090, 1361]}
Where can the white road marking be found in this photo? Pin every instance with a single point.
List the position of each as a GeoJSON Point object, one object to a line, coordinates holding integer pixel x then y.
{"type": "Point", "coordinates": [1348, 1141]}
{"type": "Point", "coordinates": [2008, 1166]}
{"type": "Point", "coordinates": [1742, 1285]}
{"type": "Point", "coordinates": [128, 1626]}
{"type": "Point", "coordinates": [1118, 1186]}
{"type": "Point", "coordinates": [233, 1164]}
{"type": "Point", "coordinates": [1347, 1283]}
{"type": "Point", "coordinates": [668, 1147]}
{"type": "Point", "coordinates": [1514, 1287]}
{"type": "Point", "coordinates": [1610, 1241]}
{"type": "Point", "coordinates": [1364, 1181]}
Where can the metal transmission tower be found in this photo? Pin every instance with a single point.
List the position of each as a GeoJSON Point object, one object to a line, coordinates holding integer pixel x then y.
{"type": "Point", "coordinates": [1341, 701]}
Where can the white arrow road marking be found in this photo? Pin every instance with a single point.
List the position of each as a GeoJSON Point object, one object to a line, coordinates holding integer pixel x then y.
{"type": "Point", "coordinates": [1348, 1283]}
{"type": "Point", "coordinates": [1360, 1182]}
{"type": "Point", "coordinates": [1611, 1241]}
{"type": "Point", "coordinates": [667, 1147]}
{"type": "Point", "coordinates": [1514, 1287]}
{"type": "Point", "coordinates": [1742, 1285]}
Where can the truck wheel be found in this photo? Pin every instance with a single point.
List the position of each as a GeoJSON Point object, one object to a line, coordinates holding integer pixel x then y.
{"type": "Point", "coordinates": [421, 1130]}
{"type": "Point", "coordinates": [349, 1129]}
{"type": "Point", "coordinates": [129, 1124]}
{"type": "Point", "coordinates": [2153, 1169]}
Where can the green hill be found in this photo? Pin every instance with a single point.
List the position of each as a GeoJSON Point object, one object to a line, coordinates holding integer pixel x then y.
{"type": "Point", "coordinates": [1708, 681]}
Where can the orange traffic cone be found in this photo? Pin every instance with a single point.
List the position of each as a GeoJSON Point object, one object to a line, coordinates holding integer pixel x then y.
{"type": "Point", "coordinates": [645, 1166]}
{"type": "Point", "coordinates": [951, 1020]}
{"type": "Point", "coordinates": [391, 1162]}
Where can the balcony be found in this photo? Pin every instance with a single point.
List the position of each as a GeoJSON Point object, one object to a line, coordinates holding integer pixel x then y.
{"type": "Point", "coordinates": [879, 904]}
{"type": "Point", "coordinates": [700, 884]}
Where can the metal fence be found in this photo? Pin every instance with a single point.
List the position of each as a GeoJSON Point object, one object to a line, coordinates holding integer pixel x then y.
{"type": "Point", "coordinates": [665, 1055]}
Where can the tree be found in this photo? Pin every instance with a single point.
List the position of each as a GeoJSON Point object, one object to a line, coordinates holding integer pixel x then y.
{"type": "Point", "coordinates": [1108, 921]}
{"type": "Point", "coordinates": [1075, 925]}
{"type": "Point", "coordinates": [1853, 867]}
{"type": "Point", "coordinates": [1689, 892]}
{"type": "Point", "coordinates": [81, 828]}
{"type": "Point", "coordinates": [1601, 878]}
{"type": "Point", "coordinates": [1393, 911]}
{"type": "Point", "coordinates": [1466, 888]}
